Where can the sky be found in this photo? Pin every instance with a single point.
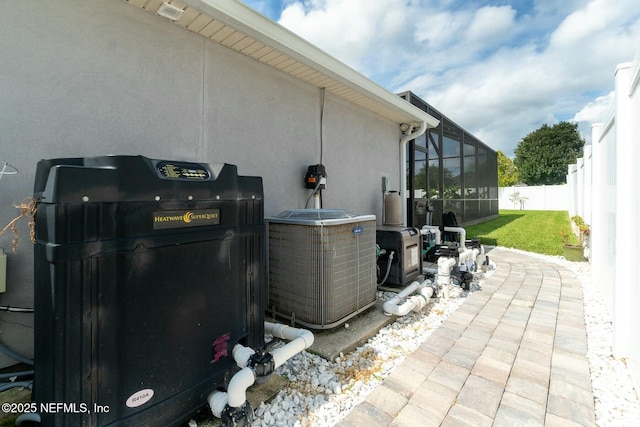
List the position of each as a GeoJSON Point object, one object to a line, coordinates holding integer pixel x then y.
{"type": "Point", "coordinates": [499, 69]}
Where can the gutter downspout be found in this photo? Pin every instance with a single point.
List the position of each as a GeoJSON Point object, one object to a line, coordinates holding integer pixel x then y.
{"type": "Point", "coordinates": [403, 163]}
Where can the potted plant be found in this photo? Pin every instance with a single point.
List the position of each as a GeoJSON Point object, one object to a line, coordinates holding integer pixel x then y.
{"type": "Point", "coordinates": [582, 228]}
{"type": "Point", "coordinates": [574, 243]}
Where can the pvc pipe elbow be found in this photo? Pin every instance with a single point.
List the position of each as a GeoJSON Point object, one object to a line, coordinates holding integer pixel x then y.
{"type": "Point", "coordinates": [237, 390]}
{"type": "Point", "coordinates": [307, 337]}
{"type": "Point", "coordinates": [393, 306]}
{"type": "Point", "coordinates": [434, 229]}
{"type": "Point", "coordinates": [300, 339]}
{"type": "Point", "coordinates": [446, 264]}
{"type": "Point", "coordinates": [217, 401]}
{"type": "Point", "coordinates": [398, 310]}
{"type": "Point", "coordinates": [459, 230]}
{"type": "Point", "coordinates": [241, 355]}
{"type": "Point", "coordinates": [465, 255]}
{"type": "Point", "coordinates": [289, 333]}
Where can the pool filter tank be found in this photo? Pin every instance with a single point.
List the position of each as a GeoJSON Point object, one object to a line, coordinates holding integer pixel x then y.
{"type": "Point", "coordinates": [147, 274]}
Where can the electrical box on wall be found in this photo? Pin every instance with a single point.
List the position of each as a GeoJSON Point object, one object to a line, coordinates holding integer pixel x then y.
{"type": "Point", "coordinates": [316, 177]}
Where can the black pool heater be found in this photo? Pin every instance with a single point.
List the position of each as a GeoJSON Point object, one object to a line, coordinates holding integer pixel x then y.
{"type": "Point", "coordinates": [150, 292]}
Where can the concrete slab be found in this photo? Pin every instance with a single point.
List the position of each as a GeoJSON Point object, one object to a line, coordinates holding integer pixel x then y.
{"type": "Point", "coordinates": [329, 343]}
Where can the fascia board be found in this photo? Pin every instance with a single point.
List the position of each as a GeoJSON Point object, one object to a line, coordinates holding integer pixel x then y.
{"type": "Point", "coordinates": [253, 24]}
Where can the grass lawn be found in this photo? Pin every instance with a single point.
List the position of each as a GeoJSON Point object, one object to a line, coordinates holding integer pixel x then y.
{"type": "Point", "coordinates": [533, 231]}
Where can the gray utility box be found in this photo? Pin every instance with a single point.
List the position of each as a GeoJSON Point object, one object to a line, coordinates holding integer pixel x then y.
{"type": "Point", "coordinates": [322, 266]}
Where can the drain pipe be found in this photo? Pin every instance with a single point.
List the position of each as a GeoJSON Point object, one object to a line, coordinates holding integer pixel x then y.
{"type": "Point", "coordinates": [444, 274]}
{"type": "Point", "coordinates": [232, 406]}
{"type": "Point", "coordinates": [396, 307]}
{"type": "Point", "coordinates": [408, 128]}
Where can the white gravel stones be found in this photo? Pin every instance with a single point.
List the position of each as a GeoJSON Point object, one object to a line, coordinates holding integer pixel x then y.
{"type": "Point", "coordinates": [616, 401]}
{"type": "Point", "coordinates": [321, 393]}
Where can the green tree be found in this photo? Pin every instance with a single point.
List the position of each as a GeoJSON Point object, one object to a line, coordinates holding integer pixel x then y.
{"type": "Point", "coordinates": [542, 156]}
{"type": "Point", "coordinates": [507, 171]}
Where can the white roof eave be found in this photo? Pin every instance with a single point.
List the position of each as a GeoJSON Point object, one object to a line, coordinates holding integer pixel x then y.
{"type": "Point", "coordinates": [246, 20]}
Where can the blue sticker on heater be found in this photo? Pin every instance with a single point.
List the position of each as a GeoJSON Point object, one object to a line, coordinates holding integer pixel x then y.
{"type": "Point", "coordinates": [357, 230]}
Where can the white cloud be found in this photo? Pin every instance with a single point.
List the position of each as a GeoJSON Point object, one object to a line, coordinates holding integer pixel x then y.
{"type": "Point", "coordinates": [491, 24]}
{"type": "Point", "coordinates": [500, 72]}
{"type": "Point", "coordinates": [352, 30]}
{"type": "Point", "coordinates": [596, 111]}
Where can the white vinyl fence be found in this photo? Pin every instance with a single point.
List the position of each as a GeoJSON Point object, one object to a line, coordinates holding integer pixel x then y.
{"type": "Point", "coordinates": [603, 189]}
{"type": "Point", "coordinates": [530, 198]}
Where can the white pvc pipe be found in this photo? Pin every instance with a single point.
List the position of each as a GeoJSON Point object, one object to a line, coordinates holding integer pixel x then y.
{"type": "Point", "coordinates": [480, 256]}
{"type": "Point", "coordinates": [465, 256]}
{"type": "Point", "coordinates": [392, 305]}
{"type": "Point", "coordinates": [474, 258]}
{"type": "Point", "coordinates": [237, 390]}
{"type": "Point", "coordinates": [217, 401]}
{"type": "Point", "coordinates": [236, 394]}
{"type": "Point", "coordinates": [459, 230]}
{"type": "Point", "coordinates": [242, 354]}
{"type": "Point", "coordinates": [300, 339]}
{"type": "Point", "coordinates": [433, 229]}
{"type": "Point", "coordinates": [412, 303]}
{"type": "Point", "coordinates": [444, 273]}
